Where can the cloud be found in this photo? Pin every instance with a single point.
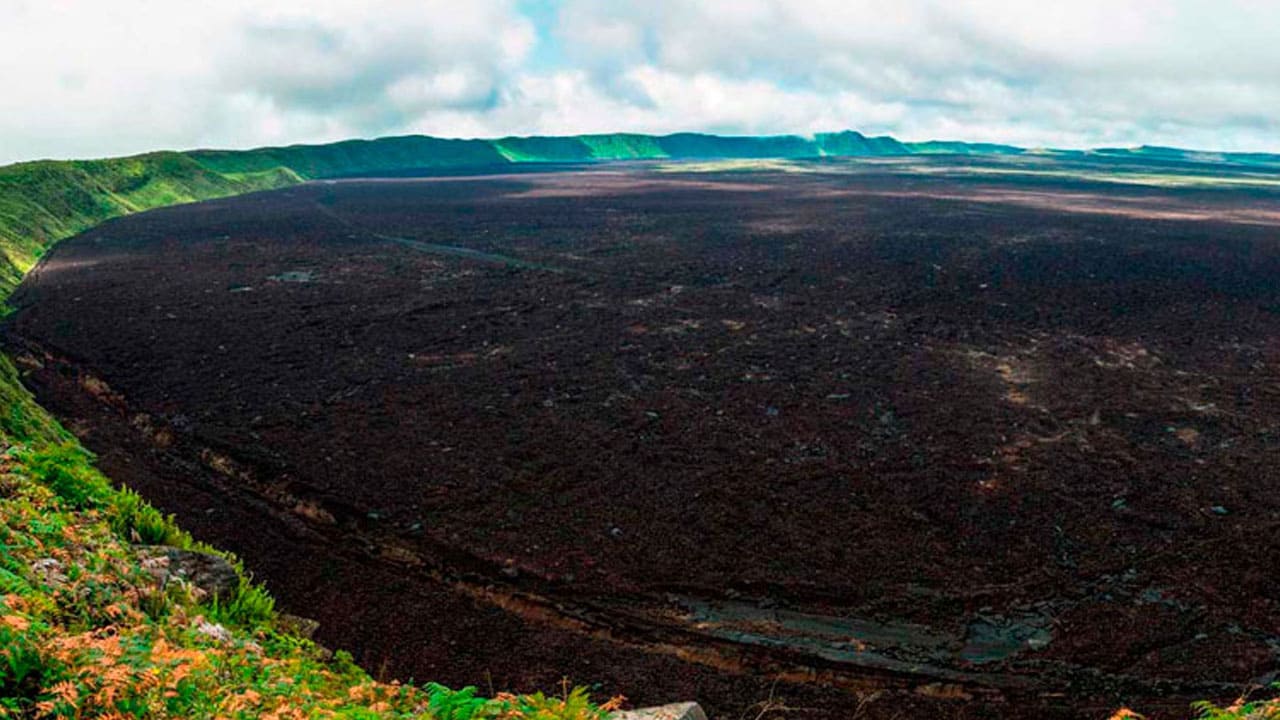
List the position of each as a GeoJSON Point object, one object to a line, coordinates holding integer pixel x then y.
{"type": "Point", "coordinates": [376, 67]}
{"type": "Point", "coordinates": [1082, 72]}
{"type": "Point", "coordinates": [90, 78]}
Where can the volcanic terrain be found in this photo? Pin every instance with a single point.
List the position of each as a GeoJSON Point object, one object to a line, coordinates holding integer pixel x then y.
{"type": "Point", "coordinates": [901, 438]}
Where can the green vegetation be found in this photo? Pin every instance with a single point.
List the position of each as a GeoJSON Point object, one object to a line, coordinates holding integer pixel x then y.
{"type": "Point", "coordinates": [940, 147]}
{"type": "Point", "coordinates": [43, 202]}
{"type": "Point", "coordinates": [1179, 155]}
{"type": "Point", "coordinates": [624, 147]}
{"type": "Point", "coordinates": [353, 157]}
{"type": "Point", "coordinates": [1240, 710]}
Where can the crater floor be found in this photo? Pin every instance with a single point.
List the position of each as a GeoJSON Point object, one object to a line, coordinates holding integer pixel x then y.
{"type": "Point", "coordinates": [994, 446]}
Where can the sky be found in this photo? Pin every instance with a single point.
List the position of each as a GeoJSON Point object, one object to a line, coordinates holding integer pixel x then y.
{"type": "Point", "coordinates": [94, 78]}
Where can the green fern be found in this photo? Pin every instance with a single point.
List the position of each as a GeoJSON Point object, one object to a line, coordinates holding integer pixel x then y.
{"type": "Point", "coordinates": [446, 704]}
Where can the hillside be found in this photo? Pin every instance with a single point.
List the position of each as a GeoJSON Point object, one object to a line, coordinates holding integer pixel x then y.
{"type": "Point", "coordinates": [46, 201]}
{"type": "Point", "coordinates": [98, 617]}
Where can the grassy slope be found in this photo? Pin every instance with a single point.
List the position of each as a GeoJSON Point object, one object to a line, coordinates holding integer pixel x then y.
{"type": "Point", "coordinates": [43, 202]}
{"type": "Point", "coordinates": [83, 631]}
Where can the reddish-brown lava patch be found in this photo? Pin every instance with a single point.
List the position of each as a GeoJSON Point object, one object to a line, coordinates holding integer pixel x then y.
{"type": "Point", "coordinates": [1021, 453]}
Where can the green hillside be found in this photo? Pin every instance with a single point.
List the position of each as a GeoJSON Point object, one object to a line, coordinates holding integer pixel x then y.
{"type": "Point", "coordinates": [850, 143]}
{"type": "Point", "coordinates": [942, 147]}
{"type": "Point", "coordinates": [43, 202]}
{"type": "Point", "coordinates": [623, 146]}
{"type": "Point", "coordinates": [354, 157]}
{"type": "Point", "coordinates": [401, 154]}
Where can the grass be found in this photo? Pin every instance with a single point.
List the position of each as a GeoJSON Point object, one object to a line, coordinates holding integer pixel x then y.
{"type": "Point", "coordinates": [47, 201]}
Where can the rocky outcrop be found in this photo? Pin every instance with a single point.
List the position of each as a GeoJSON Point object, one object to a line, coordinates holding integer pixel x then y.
{"type": "Point", "coordinates": [674, 711]}
{"type": "Point", "coordinates": [210, 576]}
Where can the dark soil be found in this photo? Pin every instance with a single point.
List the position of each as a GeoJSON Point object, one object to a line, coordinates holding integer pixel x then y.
{"type": "Point", "coordinates": [920, 444]}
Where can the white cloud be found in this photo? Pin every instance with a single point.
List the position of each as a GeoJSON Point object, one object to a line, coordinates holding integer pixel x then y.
{"type": "Point", "coordinates": [90, 78]}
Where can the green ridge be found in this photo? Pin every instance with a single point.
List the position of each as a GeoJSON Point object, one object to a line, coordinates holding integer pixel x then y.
{"type": "Point", "coordinates": [46, 201]}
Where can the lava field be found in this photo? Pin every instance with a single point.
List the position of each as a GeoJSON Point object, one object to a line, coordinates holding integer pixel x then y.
{"type": "Point", "coordinates": [888, 441]}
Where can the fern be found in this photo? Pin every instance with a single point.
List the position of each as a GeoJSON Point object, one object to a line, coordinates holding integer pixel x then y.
{"type": "Point", "coordinates": [446, 704]}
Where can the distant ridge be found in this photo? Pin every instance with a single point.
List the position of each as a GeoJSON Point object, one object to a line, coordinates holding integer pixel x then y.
{"type": "Point", "coordinates": [420, 152]}
{"type": "Point", "coordinates": [45, 201]}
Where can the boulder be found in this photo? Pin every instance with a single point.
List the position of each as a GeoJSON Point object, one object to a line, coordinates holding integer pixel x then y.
{"type": "Point", "coordinates": [297, 625]}
{"type": "Point", "coordinates": [212, 576]}
{"type": "Point", "coordinates": [51, 572]}
{"type": "Point", "coordinates": [674, 711]}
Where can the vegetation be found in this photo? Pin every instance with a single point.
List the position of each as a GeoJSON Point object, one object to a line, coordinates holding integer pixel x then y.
{"type": "Point", "coordinates": [1241, 710]}
{"type": "Point", "coordinates": [46, 201]}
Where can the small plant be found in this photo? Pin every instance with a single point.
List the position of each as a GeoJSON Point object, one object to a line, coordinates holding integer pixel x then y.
{"type": "Point", "coordinates": [133, 518]}
{"type": "Point", "coordinates": [1241, 709]}
{"type": "Point", "coordinates": [446, 704]}
{"type": "Point", "coordinates": [64, 468]}
{"type": "Point", "coordinates": [251, 607]}
{"type": "Point", "coordinates": [21, 666]}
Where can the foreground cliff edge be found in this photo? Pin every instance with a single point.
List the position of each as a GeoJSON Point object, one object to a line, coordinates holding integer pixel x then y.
{"type": "Point", "coordinates": [108, 608]}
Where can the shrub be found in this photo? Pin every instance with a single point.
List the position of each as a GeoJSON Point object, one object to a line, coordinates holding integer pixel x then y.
{"type": "Point", "coordinates": [64, 468]}
{"type": "Point", "coordinates": [131, 517]}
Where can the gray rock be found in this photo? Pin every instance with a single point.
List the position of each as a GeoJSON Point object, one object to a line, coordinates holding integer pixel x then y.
{"type": "Point", "coordinates": [211, 575]}
{"type": "Point", "coordinates": [674, 711]}
{"type": "Point", "coordinates": [216, 632]}
{"type": "Point", "coordinates": [50, 571]}
{"type": "Point", "coordinates": [297, 625]}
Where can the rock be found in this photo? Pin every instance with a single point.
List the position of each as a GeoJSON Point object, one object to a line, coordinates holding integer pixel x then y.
{"type": "Point", "coordinates": [50, 571]}
{"type": "Point", "coordinates": [674, 711]}
{"type": "Point", "coordinates": [297, 625]}
{"type": "Point", "coordinates": [211, 575]}
{"type": "Point", "coordinates": [215, 631]}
